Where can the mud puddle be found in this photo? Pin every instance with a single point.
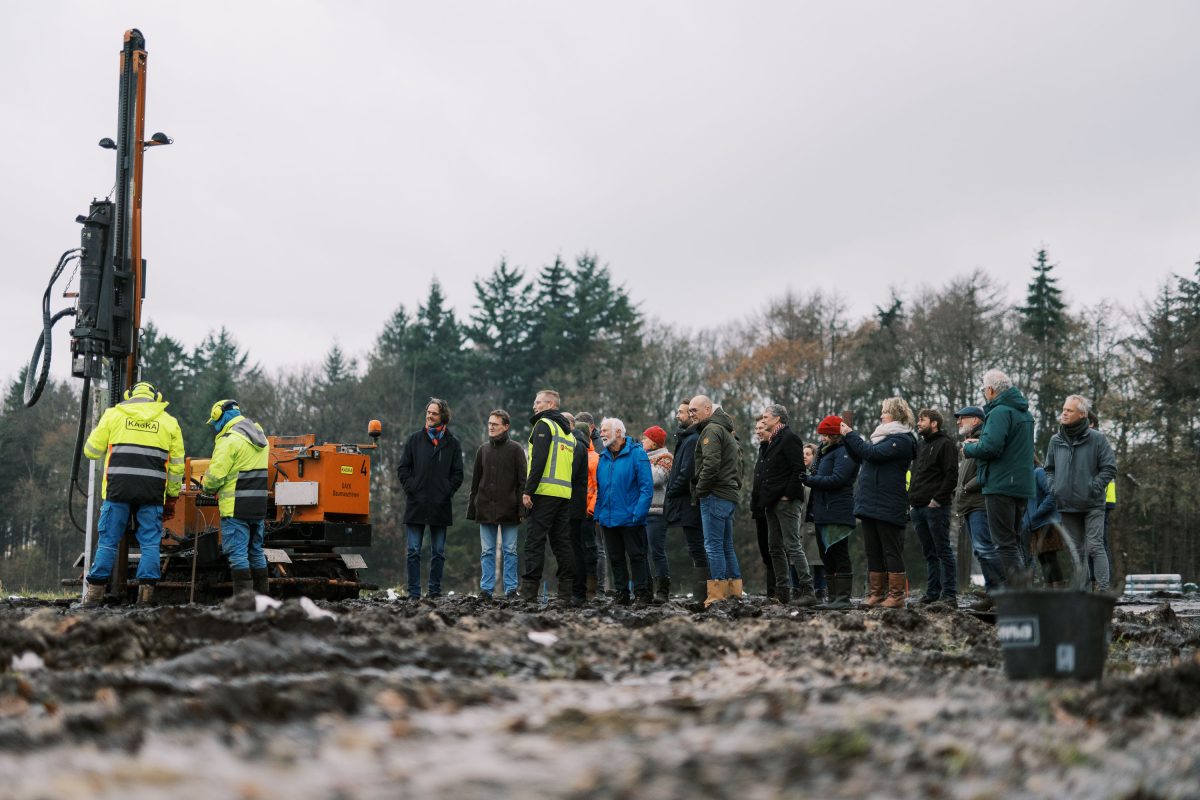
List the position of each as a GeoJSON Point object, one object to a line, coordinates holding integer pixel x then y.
{"type": "Point", "coordinates": [386, 699]}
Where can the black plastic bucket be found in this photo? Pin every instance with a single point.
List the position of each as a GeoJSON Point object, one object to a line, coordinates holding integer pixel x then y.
{"type": "Point", "coordinates": [1053, 633]}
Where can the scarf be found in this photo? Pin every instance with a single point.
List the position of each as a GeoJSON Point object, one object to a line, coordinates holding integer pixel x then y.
{"type": "Point", "coordinates": [436, 434]}
{"type": "Point", "coordinates": [1075, 431]}
{"type": "Point", "coordinates": [887, 429]}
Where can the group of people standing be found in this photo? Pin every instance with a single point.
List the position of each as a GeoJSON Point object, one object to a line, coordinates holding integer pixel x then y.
{"type": "Point", "coordinates": [604, 502]}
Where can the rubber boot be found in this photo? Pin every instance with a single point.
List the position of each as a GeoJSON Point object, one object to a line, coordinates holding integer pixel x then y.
{"type": "Point", "coordinates": [735, 590]}
{"type": "Point", "coordinates": [897, 590]}
{"type": "Point", "coordinates": [242, 582]}
{"type": "Point", "coordinates": [95, 594]}
{"type": "Point", "coordinates": [662, 590]}
{"type": "Point", "coordinates": [803, 599]}
{"type": "Point", "coordinates": [876, 589]}
{"type": "Point", "coordinates": [262, 583]}
{"type": "Point", "coordinates": [715, 591]}
{"type": "Point", "coordinates": [590, 592]}
{"type": "Point", "coordinates": [145, 594]}
{"type": "Point", "coordinates": [529, 591]}
{"type": "Point", "coordinates": [839, 593]}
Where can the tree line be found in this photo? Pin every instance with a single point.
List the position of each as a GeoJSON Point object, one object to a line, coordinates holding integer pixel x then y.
{"type": "Point", "coordinates": [568, 326]}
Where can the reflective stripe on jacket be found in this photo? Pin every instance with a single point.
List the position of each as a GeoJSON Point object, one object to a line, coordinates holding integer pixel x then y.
{"type": "Point", "coordinates": [237, 473]}
{"type": "Point", "coordinates": [555, 480]}
{"type": "Point", "coordinates": [144, 447]}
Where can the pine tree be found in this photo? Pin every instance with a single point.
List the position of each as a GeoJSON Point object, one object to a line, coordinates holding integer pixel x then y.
{"type": "Point", "coordinates": [499, 328]}
{"type": "Point", "coordinates": [1044, 321]}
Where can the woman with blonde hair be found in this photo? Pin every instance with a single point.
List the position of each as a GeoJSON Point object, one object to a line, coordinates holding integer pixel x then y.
{"type": "Point", "coordinates": [881, 503]}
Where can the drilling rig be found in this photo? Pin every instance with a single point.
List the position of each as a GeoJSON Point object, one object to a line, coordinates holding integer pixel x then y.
{"type": "Point", "coordinates": [318, 494]}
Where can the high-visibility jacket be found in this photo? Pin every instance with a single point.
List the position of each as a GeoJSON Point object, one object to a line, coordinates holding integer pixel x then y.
{"type": "Point", "coordinates": [556, 477]}
{"type": "Point", "coordinates": [237, 473]}
{"type": "Point", "coordinates": [144, 447]}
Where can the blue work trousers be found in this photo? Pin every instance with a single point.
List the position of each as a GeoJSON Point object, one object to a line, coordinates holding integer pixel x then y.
{"type": "Point", "coordinates": [114, 517]}
{"type": "Point", "coordinates": [242, 542]}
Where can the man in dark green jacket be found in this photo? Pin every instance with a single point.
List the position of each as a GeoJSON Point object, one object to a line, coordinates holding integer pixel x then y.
{"type": "Point", "coordinates": [716, 488]}
{"type": "Point", "coordinates": [1004, 453]}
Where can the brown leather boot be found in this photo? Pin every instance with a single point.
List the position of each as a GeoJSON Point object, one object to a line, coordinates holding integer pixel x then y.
{"type": "Point", "coordinates": [145, 595]}
{"type": "Point", "coordinates": [876, 589]}
{"type": "Point", "coordinates": [735, 590]}
{"type": "Point", "coordinates": [590, 591]}
{"type": "Point", "coordinates": [716, 590]}
{"type": "Point", "coordinates": [897, 590]}
{"type": "Point", "coordinates": [95, 594]}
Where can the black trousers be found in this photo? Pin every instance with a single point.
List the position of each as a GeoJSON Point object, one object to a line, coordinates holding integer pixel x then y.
{"type": "Point", "coordinates": [583, 551]}
{"type": "Point", "coordinates": [764, 550]}
{"type": "Point", "coordinates": [693, 538]}
{"type": "Point", "coordinates": [548, 521]}
{"type": "Point", "coordinates": [836, 556]}
{"type": "Point", "coordinates": [628, 543]}
{"type": "Point", "coordinates": [884, 543]}
{"type": "Point", "coordinates": [1004, 515]}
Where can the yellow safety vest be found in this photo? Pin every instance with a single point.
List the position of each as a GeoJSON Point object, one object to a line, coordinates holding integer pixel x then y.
{"type": "Point", "coordinates": [556, 477]}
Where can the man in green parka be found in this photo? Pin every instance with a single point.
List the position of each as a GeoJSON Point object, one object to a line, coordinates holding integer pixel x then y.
{"type": "Point", "coordinates": [237, 474]}
{"type": "Point", "coordinates": [1004, 455]}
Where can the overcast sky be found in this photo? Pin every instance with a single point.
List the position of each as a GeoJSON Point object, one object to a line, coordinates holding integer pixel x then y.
{"type": "Point", "coordinates": [330, 159]}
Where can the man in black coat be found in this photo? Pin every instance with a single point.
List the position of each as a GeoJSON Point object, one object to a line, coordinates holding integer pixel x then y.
{"type": "Point", "coordinates": [431, 471]}
{"type": "Point", "coordinates": [782, 497]}
{"type": "Point", "coordinates": [678, 508]}
{"type": "Point", "coordinates": [931, 495]}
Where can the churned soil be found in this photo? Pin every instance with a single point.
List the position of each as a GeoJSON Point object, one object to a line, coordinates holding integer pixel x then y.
{"type": "Point", "coordinates": [379, 699]}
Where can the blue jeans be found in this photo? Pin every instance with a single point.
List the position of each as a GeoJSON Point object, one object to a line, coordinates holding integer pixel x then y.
{"type": "Point", "coordinates": [933, 531]}
{"type": "Point", "coordinates": [716, 515]}
{"type": "Point", "coordinates": [113, 519]}
{"type": "Point", "coordinates": [985, 551]}
{"type": "Point", "coordinates": [656, 533]}
{"type": "Point", "coordinates": [487, 559]}
{"type": "Point", "coordinates": [242, 542]}
{"type": "Point", "coordinates": [437, 558]}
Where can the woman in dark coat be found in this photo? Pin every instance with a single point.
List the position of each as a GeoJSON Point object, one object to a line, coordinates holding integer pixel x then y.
{"type": "Point", "coordinates": [831, 505]}
{"type": "Point", "coordinates": [881, 503]}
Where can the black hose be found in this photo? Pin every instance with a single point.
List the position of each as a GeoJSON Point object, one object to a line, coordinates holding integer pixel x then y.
{"type": "Point", "coordinates": [41, 351]}
{"type": "Point", "coordinates": [80, 432]}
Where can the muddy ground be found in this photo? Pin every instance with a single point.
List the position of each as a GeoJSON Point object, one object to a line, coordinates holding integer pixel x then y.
{"type": "Point", "coordinates": [397, 699]}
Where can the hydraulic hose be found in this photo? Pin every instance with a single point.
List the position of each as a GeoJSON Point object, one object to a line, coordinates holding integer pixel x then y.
{"type": "Point", "coordinates": [39, 365]}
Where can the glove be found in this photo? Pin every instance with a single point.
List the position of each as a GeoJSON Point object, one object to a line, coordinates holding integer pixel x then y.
{"type": "Point", "coordinates": [169, 508]}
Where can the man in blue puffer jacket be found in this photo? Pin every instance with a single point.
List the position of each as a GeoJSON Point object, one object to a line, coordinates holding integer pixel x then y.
{"type": "Point", "coordinates": [624, 490]}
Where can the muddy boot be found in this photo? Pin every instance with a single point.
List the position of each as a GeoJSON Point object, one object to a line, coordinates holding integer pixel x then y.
{"type": "Point", "coordinates": [95, 594]}
{"type": "Point", "coordinates": [783, 596]}
{"type": "Point", "coordinates": [529, 591]}
{"type": "Point", "coordinates": [262, 583]}
{"type": "Point", "coordinates": [145, 594]}
{"type": "Point", "coordinates": [897, 590]}
{"type": "Point", "coordinates": [590, 592]}
{"type": "Point", "coordinates": [242, 582]}
{"type": "Point", "coordinates": [662, 590]}
{"type": "Point", "coordinates": [802, 599]}
{"type": "Point", "coordinates": [735, 590]}
{"type": "Point", "coordinates": [876, 589]}
{"type": "Point", "coordinates": [623, 599]}
{"type": "Point", "coordinates": [981, 604]}
{"type": "Point", "coordinates": [714, 591]}
{"type": "Point", "coordinates": [839, 594]}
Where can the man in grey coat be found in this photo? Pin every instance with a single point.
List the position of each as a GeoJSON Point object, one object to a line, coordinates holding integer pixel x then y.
{"type": "Point", "coordinates": [1080, 463]}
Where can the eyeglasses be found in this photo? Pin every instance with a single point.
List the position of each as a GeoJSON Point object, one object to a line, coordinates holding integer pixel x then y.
{"type": "Point", "coordinates": [693, 412]}
{"type": "Point", "coordinates": [495, 424]}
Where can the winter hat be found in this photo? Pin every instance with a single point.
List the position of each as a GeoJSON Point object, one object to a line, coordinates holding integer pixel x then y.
{"type": "Point", "coordinates": [830, 426]}
{"type": "Point", "coordinates": [656, 435]}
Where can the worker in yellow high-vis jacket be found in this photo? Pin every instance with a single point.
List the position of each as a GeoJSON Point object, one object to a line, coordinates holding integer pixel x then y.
{"type": "Point", "coordinates": [550, 454]}
{"type": "Point", "coordinates": [237, 474]}
{"type": "Point", "coordinates": [143, 473]}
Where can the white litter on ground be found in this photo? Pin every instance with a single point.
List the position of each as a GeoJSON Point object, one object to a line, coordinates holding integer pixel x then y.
{"type": "Point", "coordinates": [262, 602]}
{"type": "Point", "coordinates": [27, 662]}
{"type": "Point", "coordinates": [545, 638]}
{"type": "Point", "coordinates": [313, 610]}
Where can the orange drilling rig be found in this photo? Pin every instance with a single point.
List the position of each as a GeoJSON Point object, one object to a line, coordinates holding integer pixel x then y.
{"type": "Point", "coordinates": [318, 495]}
